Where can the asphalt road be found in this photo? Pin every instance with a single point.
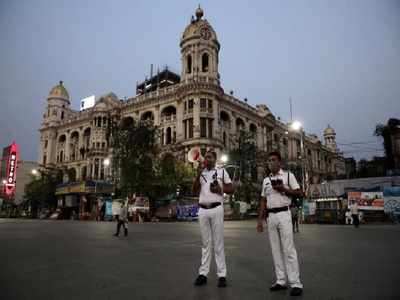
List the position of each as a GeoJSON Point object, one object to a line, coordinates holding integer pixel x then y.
{"type": "Point", "coordinates": [82, 260]}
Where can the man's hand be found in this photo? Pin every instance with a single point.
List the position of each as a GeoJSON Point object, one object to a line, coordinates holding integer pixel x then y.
{"type": "Point", "coordinates": [260, 226]}
{"type": "Point", "coordinates": [200, 169]}
{"type": "Point", "coordinates": [280, 188]}
{"type": "Point", "coordinates": [216, 189]}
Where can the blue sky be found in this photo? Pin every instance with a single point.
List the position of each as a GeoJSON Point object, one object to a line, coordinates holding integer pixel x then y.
{"type": "Point", "coordinates": [337, 60]}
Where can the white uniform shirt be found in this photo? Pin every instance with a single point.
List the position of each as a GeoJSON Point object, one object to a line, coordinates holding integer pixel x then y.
{"type": "Point", "coordinates": [275, 198]}
{"type": "Point", "coordinates": [124, 213]}
{"type": "Point", "coordinates": [354, 209]}
{"type": "Point", "coordinates": [207, 176]}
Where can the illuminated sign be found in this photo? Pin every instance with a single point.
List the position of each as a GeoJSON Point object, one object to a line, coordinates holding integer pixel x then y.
{"type": "Point", "coordinates": [88, 102]}
{"type": "Point", "coordinates": [11, 170]}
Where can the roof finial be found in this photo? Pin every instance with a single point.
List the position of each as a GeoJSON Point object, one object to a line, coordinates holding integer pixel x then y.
{"type": "Point", "coordinates": [61, 82]}
{"type": "Point", "coordinates": [199, 13]}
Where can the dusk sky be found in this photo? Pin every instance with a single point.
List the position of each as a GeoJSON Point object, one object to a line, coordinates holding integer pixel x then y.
{"type": "Point", "coordinates": [339, 61]}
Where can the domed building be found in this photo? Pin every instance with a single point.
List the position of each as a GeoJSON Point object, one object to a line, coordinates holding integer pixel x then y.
{"type": "Point", "coordinates": [191, 109]}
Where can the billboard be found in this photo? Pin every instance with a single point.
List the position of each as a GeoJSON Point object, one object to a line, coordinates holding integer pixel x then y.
{"type": "Point", "coordinates": [187, 212]}
{"type": "Point", "coordinates": [10, 157]}
{"type": "Point", "coordinates": [367, 200]}
{"type": "Point", "coordinates": [392, 199]}
{"type": "Point", "coordinates": [87, 102]}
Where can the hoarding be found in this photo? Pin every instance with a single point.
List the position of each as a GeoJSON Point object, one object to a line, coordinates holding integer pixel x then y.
{"type": "Point", "coordinates": [87, 102]}
{"type": "Point", "coordinates": [367, 200]}
{"type": "Point", "coordinates": [10, 156]}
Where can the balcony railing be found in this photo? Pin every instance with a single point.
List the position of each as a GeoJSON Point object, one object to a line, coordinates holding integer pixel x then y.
{"type": "Point", "coordinates": [168, 119]}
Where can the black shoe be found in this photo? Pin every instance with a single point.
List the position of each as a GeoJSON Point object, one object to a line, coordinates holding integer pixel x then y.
{"type": "Point", "coordinates": [277, 287]}
{"type": "Point", "coordinates": [222, 282]}
{"type": "Point", "coordinates": [296, 291]}
{"type": "Point", "coordinates": [115, 234]}
{"type": "Point", "coordinates": [200, 280]}
{"type": "Point", "coordinates": [126, 232]}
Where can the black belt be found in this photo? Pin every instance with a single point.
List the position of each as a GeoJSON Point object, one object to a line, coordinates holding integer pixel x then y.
{"type": "Point", "coordinates": [209, 205]}
{"type": "Point", "coordinates": [277, 209]}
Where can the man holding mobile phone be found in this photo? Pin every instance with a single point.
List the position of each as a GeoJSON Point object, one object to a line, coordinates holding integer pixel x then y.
{"type": "Point", "coordinates": [211, 183]}
{"type": "Point", "coordinates": [277, 189]}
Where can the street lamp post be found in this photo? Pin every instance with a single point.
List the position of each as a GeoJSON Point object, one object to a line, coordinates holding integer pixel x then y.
{"type": "Point", "coordinates": [297, 126]}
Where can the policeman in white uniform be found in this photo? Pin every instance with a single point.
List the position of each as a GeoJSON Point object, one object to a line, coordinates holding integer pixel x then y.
{"type": "Point", "coordinates": [212, 182]}
{"type": "Point", "coordinates": [275, 202]}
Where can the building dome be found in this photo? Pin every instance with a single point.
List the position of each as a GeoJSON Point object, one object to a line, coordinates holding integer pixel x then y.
{"type": "Point", "coordinates": [329, 131]}
{"type": "Point", "coordinates": [59, 91]}
{"type": "Point", "coordinates": [199, 28]}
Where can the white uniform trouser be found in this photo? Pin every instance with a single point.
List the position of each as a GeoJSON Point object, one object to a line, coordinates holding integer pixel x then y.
{"type": "Point", "coordinates": [212, 227]}
{"type": "Point", "coordinates": [283, 251]}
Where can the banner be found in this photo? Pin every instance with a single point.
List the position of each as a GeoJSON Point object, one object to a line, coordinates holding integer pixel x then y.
{"type": "Point", "coordinates": [187, 212]}
{"type": "Point", "coordinates": [367, 200]}
{"type": "Point", "coordinates": [309, 208]}
{"type": "Point", "coordinates": [391, 197]}
{"type": "Point", "coordinates": [109, 208]}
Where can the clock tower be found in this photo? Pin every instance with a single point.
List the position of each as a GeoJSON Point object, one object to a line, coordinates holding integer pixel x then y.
{"type": "Point", "coordinates": [199, 50]}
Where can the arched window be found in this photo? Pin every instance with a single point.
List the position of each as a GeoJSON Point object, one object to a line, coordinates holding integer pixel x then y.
{"type": "Point", "coordinates": [189, 64]}
{"type": "Point", "coordinates": [169, 136]}
{"type": "Point", "coordinates": [240, 124]}
{"type": "Point", "coordinates": [126, 122]}
{"type": "Point", "coordinates": [204, 62]}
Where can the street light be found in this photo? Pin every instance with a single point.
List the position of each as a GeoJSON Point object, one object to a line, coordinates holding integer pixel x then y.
{"type": "Point", "coordinates": [34, 172]}
{"type": "Point", "coordinates": [297, 126]}
{"type": "Point", "coordinates": [224, 158]}
{"type": "Point", "coordinates": [106, 163]}
{"type": "Point", "coordinates": [4, 181]}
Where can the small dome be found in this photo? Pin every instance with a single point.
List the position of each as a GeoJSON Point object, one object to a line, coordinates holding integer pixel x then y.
{"type": "Point", "coordinates": [199, 28]}
{"type": "Point", "coordinates": [329, 131]}
{"type": "Point", "coordinates": [59, 91]}
{"type": "Point", "coordinates": [262, 110]}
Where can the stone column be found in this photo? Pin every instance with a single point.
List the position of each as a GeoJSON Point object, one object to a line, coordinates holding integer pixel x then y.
{"type": "Point", "coordinates": [179, 119]}
{"type": "Point", "coordinates": [216, 126]}
{"type": "Point", "coordinates": [196, 117]}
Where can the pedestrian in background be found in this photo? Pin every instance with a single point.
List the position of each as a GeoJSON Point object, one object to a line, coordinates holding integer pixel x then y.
{"type": "Point", "coordinates": [294, 210]}
{"type": "Point", "coordinates": [354, 213]}
{"type": "Point", "coordinates": [122, 218]}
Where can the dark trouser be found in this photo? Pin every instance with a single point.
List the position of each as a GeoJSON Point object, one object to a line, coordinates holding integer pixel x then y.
{"type": "Point", "coordinates": [295, 223]}
{"type": "Point", "coordinates": [119, 224]}
{"type": "Point", "coordinates": [356, 221]}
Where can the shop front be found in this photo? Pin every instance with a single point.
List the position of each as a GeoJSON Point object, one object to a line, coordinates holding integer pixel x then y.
{"type": "Point", "coordinates": [83, 200]}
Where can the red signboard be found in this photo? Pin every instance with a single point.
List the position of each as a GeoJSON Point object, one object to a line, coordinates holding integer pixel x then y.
{"type": "Point", "coordinates": [9, 189]}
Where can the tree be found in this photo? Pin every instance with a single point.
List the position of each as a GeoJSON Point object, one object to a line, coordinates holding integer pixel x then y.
{"type": "Point", "coordinates": [40, 191]}
{"type": "Point", "coordinates": [247, 159]}
{"type": "Point", "coordinates": [172, 174]}
{"type": "Point", "coordinates": [134, 149]}
{"type": "Point", "coordinates": [386, 131]}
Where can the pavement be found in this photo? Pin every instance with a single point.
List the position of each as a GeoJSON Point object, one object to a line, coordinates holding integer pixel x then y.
{"type": "Point", "coordinates": [44, 259]}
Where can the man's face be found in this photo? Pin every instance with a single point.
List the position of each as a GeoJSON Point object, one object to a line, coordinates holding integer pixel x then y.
{"type": "Point", "coordinates": [210, 160]}
{"type": "Point", "coordinates": [274, 164]}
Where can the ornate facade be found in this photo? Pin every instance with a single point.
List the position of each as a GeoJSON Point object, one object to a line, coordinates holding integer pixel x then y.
{"type": "Point", "coordinates": [191, 110]}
